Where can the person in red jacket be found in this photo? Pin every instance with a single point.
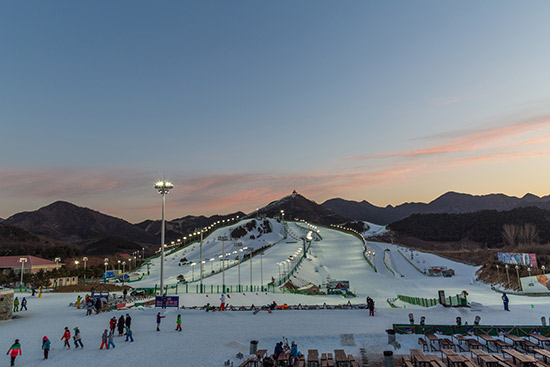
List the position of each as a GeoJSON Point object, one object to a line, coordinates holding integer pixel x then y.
{"type": "Point", "coordinates": [112, 324]}
{"type": "Point", "coordinates": [66, 336]}
{"type": "Point", "coordinates": [15, 350]}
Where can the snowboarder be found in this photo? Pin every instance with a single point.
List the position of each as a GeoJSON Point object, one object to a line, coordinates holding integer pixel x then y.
{"type": "Point", "coordinates": [24, 304]}
{"type": "Point", "coordinates": [77, 338]}
{"type": "Point", "coordinates": [159, 317]}
{"type": "Point", "coordinates": [129, 334]}
{"type": "Point", "coordinates": [128, 320]}
{"type": "Point", "coordinates": [104, 338]}
{"type": "Point", "coordinates": [120, 325]}
{"type": "Point", "coordinates": [505, 300]}
{"type": "Point", "coordinates": [66, 336]}
{"type": "Point", "coordinates": [110, 338]}
{"type": "Point", "coordinates": [15, 350]}
{"type": "Point", "coordinates": [16, 304]}
{"type": "Point", "coordinates": [178, 322]}
{"type": "Point", "coordinates": [46, 346]}
{"type": "Point", "coordinates": [222, 304]}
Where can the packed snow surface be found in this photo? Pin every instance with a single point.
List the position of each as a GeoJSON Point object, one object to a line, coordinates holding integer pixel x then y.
{"type": "Point", "coordinates": [211, 338]}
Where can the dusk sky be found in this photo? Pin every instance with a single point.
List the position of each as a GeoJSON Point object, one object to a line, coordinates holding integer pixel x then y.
{"type": "Point", "coordinates": [240, 102]}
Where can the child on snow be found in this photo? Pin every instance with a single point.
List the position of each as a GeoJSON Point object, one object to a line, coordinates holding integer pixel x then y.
{"type": "Point", "coordinates": [15, 349]}
{"type": "Point", "coordinates": [178, 322]}
{"type": "Point", "coordinates": [46, 346]}
{"type": "Point", "coordinates": [111, 342]}
{"type": "Point", "coordinates": [129, 334]}
{"type": "Point", "coordinates": [104, 339]}
{"type": "Point", "coordinates": [66, 336]}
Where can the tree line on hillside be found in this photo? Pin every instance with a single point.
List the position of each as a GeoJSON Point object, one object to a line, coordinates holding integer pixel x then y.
{"type": "Point", "coordinates": [521, 226]}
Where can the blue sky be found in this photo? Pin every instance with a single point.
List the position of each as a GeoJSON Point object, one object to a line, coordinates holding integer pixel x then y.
{"type": "Point", "coordinates": [241, 102]}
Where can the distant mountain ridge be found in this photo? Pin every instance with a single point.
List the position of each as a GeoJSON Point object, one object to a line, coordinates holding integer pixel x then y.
{"type": "Point", "coordinates": [450, 202]}
{"type": "Point", "coordinates": [67, 222]}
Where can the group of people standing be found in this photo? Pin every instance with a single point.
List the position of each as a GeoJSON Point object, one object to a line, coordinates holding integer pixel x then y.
{"type": "Point", "coordinates": [16, 304]}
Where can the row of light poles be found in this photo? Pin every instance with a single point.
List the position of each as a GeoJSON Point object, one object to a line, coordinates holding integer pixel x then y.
{"type": "Point", "coordinates": [506, 266]}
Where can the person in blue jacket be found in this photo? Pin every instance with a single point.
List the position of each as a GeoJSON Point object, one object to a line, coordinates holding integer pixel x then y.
{"type": "Point", "coordinates": [505, 300]}
{"type": "Point", "coordinates": [46, 346]}
{"type": "Point", "coordinates": [159, 317]}
{"type": "Point", "coordinates": [294, 350]}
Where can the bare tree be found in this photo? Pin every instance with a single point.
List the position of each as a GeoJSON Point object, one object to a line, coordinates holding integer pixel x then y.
{"type": "Point", "coordinates": [528, 234]}
{"type": "Point", "coordinates": [510, 234]}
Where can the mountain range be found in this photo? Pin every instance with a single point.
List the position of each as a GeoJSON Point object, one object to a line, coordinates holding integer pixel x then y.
{"type": "Point", "coordinates": [97, 233]}
{"type": "Point", "coordinates": [450, 202]}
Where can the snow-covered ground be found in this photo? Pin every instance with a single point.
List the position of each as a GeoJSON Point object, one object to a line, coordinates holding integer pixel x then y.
{"type": "Point", "coordinates": [210, 338]}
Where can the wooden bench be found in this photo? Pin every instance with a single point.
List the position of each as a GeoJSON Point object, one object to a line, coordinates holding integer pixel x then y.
{"type": "Point", "coordinates": [254, 359]}
{"type": "Point", "coordinates": [523, 359]}
{"type": "Point", "coordinates": [299, 362]}
{"type": "Point", "coordinates": [424, 345]}
{"type": "Point", "coordinates": [447, 344]}
{"type": "Point", "coordinates": [502, 362]}
{"type": "Point", "coordinates": [354, 363]}
{"type": "Point", "coordinates": [313, 358]}
{"type": "Point", "coordinates": [284, 359]}
{"type": "Point", "coordinates": [544, 353]}
{"type": "Point", "coordinates": [341, 358]}
{"type": "Point", "coordinates": [529, 346]}
{"type": "Point", "coordinates": [501, 344]}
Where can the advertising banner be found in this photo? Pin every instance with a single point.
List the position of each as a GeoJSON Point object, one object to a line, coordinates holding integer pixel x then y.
{"type": "Point", "coordinates": [518, 259]}
{"type": "Point", "coordinates": [171, 301]}
{"type": "Point", "coordinates": [536, 284]}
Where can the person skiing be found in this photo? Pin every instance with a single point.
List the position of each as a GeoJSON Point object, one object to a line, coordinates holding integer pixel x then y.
{"type": "Point", "coordinates": [77, 338]}
{"type": "Point", "coordinates": [120, 325]}
{"type": "Point", "coordinates": [178, 322]}
{"type": "Point", "coordinates": [129, 334]}
{"type": "Point", "coordinates": [110, 338]}
{"type": "Point", "coordinates": [24, 304]}
{"type": "Point", "coordinates": [505, 300]}
{"type": "Point", "coordinates": [46, 346]}
{"type": "Point", "coordinates": [16, 304]}
{"type": "Point", "coordinates": [66, 336]}
{"type": "Point", "coordinates": [159, 317]}
{"type": "Point", "coordinates": [104, 338]}
{"type": "Point", "coordinates": [15, 350]}
{"type": "Point", "coordinates": [222, 304]}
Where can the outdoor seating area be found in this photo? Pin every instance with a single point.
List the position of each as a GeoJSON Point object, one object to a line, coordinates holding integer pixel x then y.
{"type": "Point", "coordinates": [481, 350]}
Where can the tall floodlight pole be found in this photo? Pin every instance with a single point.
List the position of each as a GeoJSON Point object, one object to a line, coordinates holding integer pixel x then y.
{"type": "Point", "coordinates": [85, 259]}
{"type": "Point", "coordinates": [261, 272]}
{"type": "Point", "coordinates": [22, 260]}
{"type": "Point", "coordinates": [201, 265]}
{"type": "Point", "coordinates": [57, 260]}
{"type": "Point", "coordinates": [507, 274]}
{"type": "Point", "coordinates": [519, 283]}
{"type": "Point", "coordinates": [163, 187]}
{"type": "Point", "coordinates": [223, 239]}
